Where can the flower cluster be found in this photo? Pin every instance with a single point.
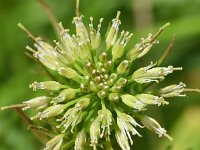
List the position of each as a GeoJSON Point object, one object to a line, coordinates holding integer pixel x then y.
{"type": "Point", "coordinates": [95, 93]}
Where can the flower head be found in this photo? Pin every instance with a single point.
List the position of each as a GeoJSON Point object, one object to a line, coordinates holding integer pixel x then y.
{"type": "Point", "coordinates": [95, 90]}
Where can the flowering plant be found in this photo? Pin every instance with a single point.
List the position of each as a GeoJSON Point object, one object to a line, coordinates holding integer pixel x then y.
{"type": "Point", "coordinates": [95, 94]}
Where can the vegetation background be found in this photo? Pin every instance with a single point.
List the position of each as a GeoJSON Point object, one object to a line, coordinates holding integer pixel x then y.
{"type": "Point", "coordinates": [17, 71]}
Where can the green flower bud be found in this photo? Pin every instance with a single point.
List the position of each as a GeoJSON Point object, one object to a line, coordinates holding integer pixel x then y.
{"type": "Point", "coordinates": [37, 102]}
{"type": "Point", "coordinates": [82, 103]}
{"type": "Point", "coordinates": [140, 101]}
{"type": "Point", "coordinates": [173, 90]}
{"type": "Point", "coordinates": [47, 85]}
{"type": "Point", "coordinates": [123, 67]}
{"type": "Point", "coordinates": [119, 85]}
{"type": "Point", "coordinates": [65, 95]}
{"type": "Point", "coordinates": [133, 102]}
{"type": "Point", "coordinates": [68, 73]}
{"type": "Point", "coordinates": [103, 57]}
{"type": "Point", "coordinates": [151, 99]}
{"type": "Point", "coordinates": [113, 96]}
{"type": "Point", "coordinates": [112, 79]}
{"type": "Point", "coordinates": [51, 111]}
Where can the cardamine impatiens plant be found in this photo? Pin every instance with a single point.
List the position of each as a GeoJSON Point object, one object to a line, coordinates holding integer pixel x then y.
{"type": "Point", "coordinates": [95, 97]}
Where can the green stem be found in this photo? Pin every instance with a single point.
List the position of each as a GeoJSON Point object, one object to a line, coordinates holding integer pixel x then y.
{"type": "Point", "coordinates": [68, 145]}
{"type": "Point", "coordinates": [41, 137]}
{"type": "Point", "coordinates": [51, 16]}
{"type": "Point", "coordinates": [191, 90]}
{"type": "Point", "coordinates": [77, 8]}
{"type": "Point", "coordinates": [166, 52]}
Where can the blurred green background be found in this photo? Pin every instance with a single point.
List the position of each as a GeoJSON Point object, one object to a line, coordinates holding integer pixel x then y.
{"type": "Point", "coordinates": [181, 117]}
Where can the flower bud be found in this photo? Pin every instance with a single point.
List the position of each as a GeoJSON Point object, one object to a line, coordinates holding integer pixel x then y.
{"type": "Point", "coordinates": [51, 111]}
{"type": "Point", "coordinates": [47, 85]}
{"type": "Point", "coordinates": [68, 73]}
{"type": "Point", "coordinates": [113, 97]}
{"type": "Point", "coordinates": [153, 125]}
{"type": "Point", "coordinates": [123, 67]}
{"type": "Point", "coordinates": [37, 102]}
{"type": "Point", "coordinates": [133, 102]}
{"type": "Point", "coordinates": [103, 57]}
{"type": "Point", "coordinates": [82, 103]}
{"type": "Point", "coordinates": [112, 79]}
{"type": "Point", "coordinates": [173, 90]}
{"type": "Point", "coordinates": [55, 143]}
{"type": "Point", "coordinates": [151, 99]}
{"type": "Point", "coordinates": [65, 95]}
{"type": "Point", "coordinates": [119, 85]}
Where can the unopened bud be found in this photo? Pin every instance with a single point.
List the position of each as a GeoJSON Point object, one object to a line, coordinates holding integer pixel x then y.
{"type": "Point", "coordinates": [103, 57]}
{"type": "Point", "coordinates": [65, 95]}
{"type": "Point", "coordinates": [123, 67]}
{"type": "Point", "coordinates": [51, 111]}
{"type": "Point", "coordinates": [133, 102]}
{"type": "Point", "coordinates": [47, 85]}
{"type": "Point", "coordinates": [113, 97]}
{"type": "Point", "coordinates": [82, 103]}
{"type": "Point", "coordinates": [68, 73]}
{"type": "Point", "coordinates": [37, 102]}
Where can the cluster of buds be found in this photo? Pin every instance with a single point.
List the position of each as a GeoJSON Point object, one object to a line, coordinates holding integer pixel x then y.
{"type": "Point", "coordinates": [96, 92]}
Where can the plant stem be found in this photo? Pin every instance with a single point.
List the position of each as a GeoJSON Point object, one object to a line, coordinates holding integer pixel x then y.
{"type": "Point", "coordinates": [166, 52]}
{"type": "Point", "coordinates": [41, 137]}
{"type": "Point", "coordinates": [51, 16]}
